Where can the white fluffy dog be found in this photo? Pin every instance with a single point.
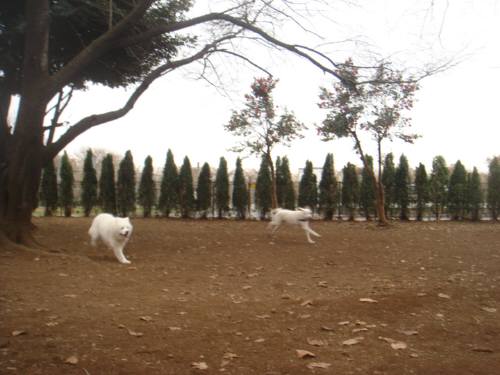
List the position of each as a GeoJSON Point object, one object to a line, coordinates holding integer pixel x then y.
{"type": "Point", "coordinates": [113, 231]}
{"type": "Point", "coordinates": [300, 216]}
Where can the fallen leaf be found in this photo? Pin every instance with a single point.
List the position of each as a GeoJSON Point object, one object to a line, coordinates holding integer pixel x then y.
{"type": "Point", "coordinates": [482, 350]}
{"type": "Point", "coordinates": [317, 342]}
{"type": "Point", "coordinates": [399, 345]}
{"type": "Point", "coordinates": [19, 333]}
{"type": "Point", "coordinates": [259, 340]}
{"type": "Point", "coordinates": [353, 341]}
{"type": "Point", "coordinates": [146, 318]}
{"type": "Point", "coordinates": [328, 329]}
{"type": "Point", "coordinates": [489, 309]}
{"type": "Point", "coordinates": [70, 295]}
{"type": "Point", "coordinates": [229, 355]}
{"type": "Point", "coordinates": [314, 365]}
{"type": "Point", "coordinates": [368, 300]}
{"type": "Point", "coordinates": [308, 302]}
{"type": "Point", "coordinates": [344, 323]}
{"type": "Point", "coordinates": [174, 328]}
{"type": "Point", "coordinates": [304, 354]}
{"type": "Point", "coordinates": [396, 345]}
{"type": "Point", "coordinates": [445, 296]}
{"type": "Point", "coordinates": [133, 333]}
{"type": "Point", "coordinates": [323, 284]}
{"type": "Point", "coordinates": [265, 316]}
{"type": "Point", "coordinates": [200, 365]}
{"type": "Point", "coordinates": [72, 360]}
{"type": "Point", "coordinates": [408, 332]}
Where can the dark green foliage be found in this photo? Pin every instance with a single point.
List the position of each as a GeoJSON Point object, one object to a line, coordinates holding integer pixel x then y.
{"type": "Point", "coordinates": [186, 190]}
{"type": "Point", "coordinates": [147, 190]}
{"type": "Point", "coordinates": [107, 189]}
{"type": "Point", "coordinates": [280, 188]}
{"type": "Point", "coordinates": [66, 185]}
{"type": "Point", "coordinates": [438, 185]}
{"type": "Point", "coordinates": [308, 188]}
{"type": "Point", "coordinates": [222, 189]}
{"type": "Point", "coordinates": [169, 190]}
{"type": "Point", "coordinates": [125, 186]}
{"type": "Point", "coordinates": [240, 191]}
{"type": "Point", "coordinates": [401, 188]}
{"type": "Point", "coordinates": [493, 197]}
{"type": "Point", "coordinates": [328, 189]}
{"type": "Point", "coordinates": [421, 190]}
{"type": "Point", "coordinates": [457, 192]}
{"type": "Point", "coordinates": [388, 181]}
{"type": "Point", "coordinates": [89, 184]}
{"type": "Point", "coordinates": [204, 191]}
{"type": "Point", "coordinates": [77, 23]}
{"type": "Point", "coordinates": [284, 184]}
{"type": "Point", "coordinates": [367, 191]}
{"type": "Point", "coordinates": [287, 191]}
{"type": "Point", "coordinates": [263, 188]}
{"type": "Point", "coordinates": [350, 189]}
{"type": "Point", "coordinates": [48, 190]}
{"type": "Point", "coordinates": [474, 195]}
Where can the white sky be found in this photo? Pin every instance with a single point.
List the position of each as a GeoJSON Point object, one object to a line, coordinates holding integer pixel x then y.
{"type": "Point", "coordinates": [455, 113]}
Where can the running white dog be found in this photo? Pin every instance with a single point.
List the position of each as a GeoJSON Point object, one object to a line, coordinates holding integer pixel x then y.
{"type": "Point", "coordinates": [300, 216]}
{"type": "Point", "coordinates": [113, 231]}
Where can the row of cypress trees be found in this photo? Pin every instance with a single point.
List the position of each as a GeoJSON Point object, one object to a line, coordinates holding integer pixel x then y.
{"type": "Point", "coordinates": [454, 191]}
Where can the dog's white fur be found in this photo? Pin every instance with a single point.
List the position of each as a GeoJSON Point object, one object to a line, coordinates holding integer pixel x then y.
{"type": "Point", "coordinates": [113, 231]}
{"type": "Point", "coordinates": [300, 216]}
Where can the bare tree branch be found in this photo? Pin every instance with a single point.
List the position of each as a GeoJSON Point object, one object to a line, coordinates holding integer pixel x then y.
{"type": "Point", "coordinates": [51, 150]}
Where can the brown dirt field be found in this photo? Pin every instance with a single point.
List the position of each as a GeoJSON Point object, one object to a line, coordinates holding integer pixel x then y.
{"type": "Point", "coordinates": [224, 296]}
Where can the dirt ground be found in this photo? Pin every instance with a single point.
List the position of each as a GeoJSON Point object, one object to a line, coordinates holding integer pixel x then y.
{"type": "Point", "coordinates": [210, 297]}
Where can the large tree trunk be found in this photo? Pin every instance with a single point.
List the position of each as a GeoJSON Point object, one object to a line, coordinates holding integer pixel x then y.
{"type": "Point", "coordinates": [21, 167]}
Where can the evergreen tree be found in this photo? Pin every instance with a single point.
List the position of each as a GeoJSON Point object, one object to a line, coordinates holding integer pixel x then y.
{"type": "Point", "coordinates": [48, 190]}
{"type": "Point", "coordinates": [67, 180]}
{"type": "Point", "coordinates": [285, 191]}
{"type": "Point", "coordinates": [240, 191]}
{"type": "Point", "coordinates": [290, 196]}
{"type": "Point", "coordinates": [388, 176]}
{"type": "Point", "coordinates": [222, 189]}
{"type": "Point", "coordinates": [186, 190]}
{"type": "Point", "coordinates": [421, 190]}
{"type": "Point", "coordinates": [147, 190]}
{"type": "Point", "coordinates": [88, 184]}
{"type": "Point", "coordinates": [308, 188]}
{"type": "Point", "coordinates": [438, 185]}
{"type": "Point", "coordinates": [457, 192]}
{"type": "Point", "coordinates": [493, 198]}
{"type": "Point", "coordinates": [475, 195]}
{"type": "Point", "coordinates": [367, 191]}
{"type": "Point", "coordinates": [328, 189]}
{"type": "Point", "coordinates": [125, 186]}
{"type": "Point", "coordinates": [204, 191]}
{"type": "Point", "coordinates": [169, 190]}
{"type": "Point", "coordinates": [350, 189]}
{"type": "Point", "coordinates": [280, 182]}
{"type": "Point", "coordinates": [263, 188]}
{"type": "Point", "coordinates": [401, 188]}
{"type": "Point", "coordinates": [107, 189]}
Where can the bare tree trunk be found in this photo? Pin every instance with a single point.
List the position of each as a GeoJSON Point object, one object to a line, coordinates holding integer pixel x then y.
{"type": "Point", "coordinates": [377, 183]}
{"type": "Point", "coordinates": [23, 163]}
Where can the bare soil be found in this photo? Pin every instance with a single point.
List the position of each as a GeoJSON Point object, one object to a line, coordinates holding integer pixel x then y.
{"type": "Point", "coordinates": [221, 296]}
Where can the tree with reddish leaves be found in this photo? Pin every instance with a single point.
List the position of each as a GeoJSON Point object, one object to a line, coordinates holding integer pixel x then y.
{"type": "Point", "coordinates": [261, 129]}
{"type": "Point", "coordinates": [378, 106]}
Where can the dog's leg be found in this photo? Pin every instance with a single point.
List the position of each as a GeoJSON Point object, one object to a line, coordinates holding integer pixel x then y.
{"type": "Point", "coordinates": [118, 250]}
{"type": "Point", "coordinates": [307, 229]}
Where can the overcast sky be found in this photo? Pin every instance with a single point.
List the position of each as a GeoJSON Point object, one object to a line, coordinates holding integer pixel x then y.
{"type": "Point", "coordinates": [455, 113]}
